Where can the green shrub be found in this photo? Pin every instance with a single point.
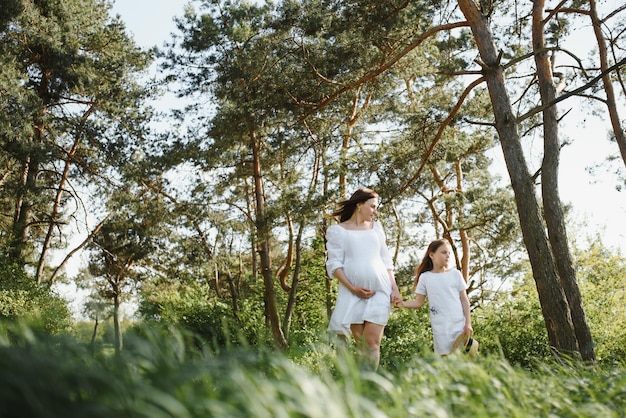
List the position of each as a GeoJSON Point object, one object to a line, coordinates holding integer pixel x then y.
{"type": "Point", "coordinates": [210, 320]}
{"type": "Point", "coordinates": [602, 281]}
{"type": "Point", "coordinates": [22, 299]}
{"type": "Point", "coordinates": [512, 326]}
{"type": "Point", "coordinates": [309, 320]}
{"type": "Point", "coordinates": [407, 335]}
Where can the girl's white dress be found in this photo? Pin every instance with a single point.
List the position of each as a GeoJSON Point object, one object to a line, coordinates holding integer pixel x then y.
{"type": "Point", "coordinates": [365, 259]}
{"type": "Point", "coordinates": [447, 320]}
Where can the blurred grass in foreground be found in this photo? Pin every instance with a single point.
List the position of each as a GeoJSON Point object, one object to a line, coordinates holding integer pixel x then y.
{"type": "Point", "coordinates": [158, 376]}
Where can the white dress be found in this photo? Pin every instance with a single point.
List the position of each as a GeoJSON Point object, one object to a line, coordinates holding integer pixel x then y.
{"type": "Point", "coordinates": [447, 319]}
{"type": "Point", "coordinates": [365, 259]}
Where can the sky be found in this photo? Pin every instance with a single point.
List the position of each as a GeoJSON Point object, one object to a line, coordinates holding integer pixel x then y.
{"type": "Point", "coordinates": [597, 206]}
{"type": "Point", "coordinates": [149, 21]}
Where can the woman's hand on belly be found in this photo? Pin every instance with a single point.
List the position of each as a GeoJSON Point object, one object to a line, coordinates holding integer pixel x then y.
{"type": "Point", "coordinates": [363, 292]}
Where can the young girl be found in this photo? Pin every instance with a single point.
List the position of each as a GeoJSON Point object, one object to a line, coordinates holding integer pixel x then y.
{"type": "Point", "coordinates": [447, 297]}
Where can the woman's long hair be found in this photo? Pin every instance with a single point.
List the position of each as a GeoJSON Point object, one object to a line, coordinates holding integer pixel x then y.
{"type": "Point", "coordinates": [347, 207]}
{"type": "Point", "coordinates": [427, 262]}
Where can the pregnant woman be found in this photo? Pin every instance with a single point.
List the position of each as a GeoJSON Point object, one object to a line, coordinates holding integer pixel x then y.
{"type": "Point", "coordinates": [359, 258]}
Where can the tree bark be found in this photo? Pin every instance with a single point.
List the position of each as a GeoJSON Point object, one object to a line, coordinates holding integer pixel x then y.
{"type": "Point", "coordinates": [271, 308]}
{"type": "Point", "coordinates": [463, 233]}
{"type": "Point", "coordinates": [116, 320]}
{"type": "Point", "coordinates": [23, 209]}
{"type": "Point", "coordinates": [254, 262]}
{"type": "Point", "coordinates": [92, 343]}
{"type": "Point", "coordinates": [355, 115]}
{"type": "Point", "coordinates": [234, 294]}
{"type": "Point", "coordinates": [56, 207]}
{"type": "Point", "coordinates": [618, 131]}
{"type": "Point", "coordinates": [291, 303]}
{"type": "Point", "coordinates": [551, 296]}
{"type": "Point", "coordinates": [285, 268]}
{"type": "Point", "coordinates": [553, 209]}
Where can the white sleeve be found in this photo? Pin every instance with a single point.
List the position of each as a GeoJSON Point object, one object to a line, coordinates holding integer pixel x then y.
{"type": "Point", "coordinates": [385, 255]}
{"type": "Point", "coordinates": [334, 249]}
{"type": "Point", "coordinates": [421, 286]}
{"type": "Point", "coordinates": [461, 283]}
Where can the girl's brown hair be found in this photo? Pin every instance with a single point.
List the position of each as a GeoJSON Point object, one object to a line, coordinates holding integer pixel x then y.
{"type": "Point", "coordinates": [427, 262]}
{"type": "Point", "coordinates": [347, 207]}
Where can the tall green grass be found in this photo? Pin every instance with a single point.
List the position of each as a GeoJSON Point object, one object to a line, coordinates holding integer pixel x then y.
{"type": "Point", "coordinates": [158, 375]}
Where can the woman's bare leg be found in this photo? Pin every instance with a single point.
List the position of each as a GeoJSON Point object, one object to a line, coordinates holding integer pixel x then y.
{"type": "Point", "coordinates": [371, 334]}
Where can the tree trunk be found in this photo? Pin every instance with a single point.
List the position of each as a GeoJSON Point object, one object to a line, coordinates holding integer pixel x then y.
{"type": "Point", "coordinates": [216, 280]}
{"type": "Point", "coordinates": [450, 223]}
{"type": "Point", "coordinates": [463, 234]}
{"type": "Point", "coordinates": [30, 171]}
{"type": "Point", "coordinates": [271, 308]}
{"type": "Point", "coordinates": [553, 209]}
{"type": "Point", "coordinates": [399, 234]}
{"type": "Point", "coordinates": [56, 208]}
{"type": "Point", "coordinates": [618, 131]}
{"type": "Point", "coordinates": [116, 322]}
{"type": "Point", "coordinates": [234, 294]}
{"type": "Point", "coordinates": [52, 222]}
{"type": "Point", "coordinates": [284, 270]}
{"type": "Point", "coordinates": [352, 120]}
{"type": "Point", "coordinates": [291, 303]}
{"type": "Point", "coordinates": [551, 296]}
{"type": "Point", "coordinates": [23, 210]}
{"type": "Point", "coordinates": [92, 343]}
{"type": "Point", "coordinates": [323, 227]}
{"type": "Point", "coordinates": [254, 262]}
